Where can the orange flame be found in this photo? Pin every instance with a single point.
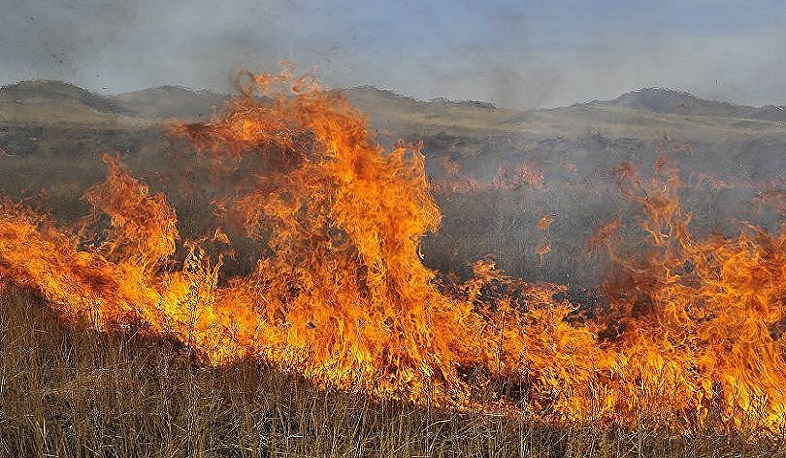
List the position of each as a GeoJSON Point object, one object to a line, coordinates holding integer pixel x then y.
{"type": "Point", "coordinates": [692, 328]}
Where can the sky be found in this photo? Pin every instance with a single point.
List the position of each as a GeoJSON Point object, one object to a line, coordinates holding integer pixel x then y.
{"type": "Point", "coordinates": [515, 54]}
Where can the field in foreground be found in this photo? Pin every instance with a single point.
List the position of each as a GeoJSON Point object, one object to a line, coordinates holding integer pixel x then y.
{"type": "Point", "coordinates": [67, 391]}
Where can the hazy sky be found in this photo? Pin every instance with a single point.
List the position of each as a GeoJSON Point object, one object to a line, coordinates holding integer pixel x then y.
{"type": "Point", "coordinates": [513, 53]}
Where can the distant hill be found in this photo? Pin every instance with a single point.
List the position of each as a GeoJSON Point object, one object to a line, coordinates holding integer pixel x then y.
{"type": "Point", "coordinates": [386, 108]}
{"type": "Point", "coordinates": [61, 102]}
{"type": "Point", "coordinates": [634, 113]}
{"type": "Point", "coordinates": [48, 92]}
{"type": "Point", "coordinates": [57, 102]}
{"type": "Point", "coordinates": [669, 101]}
{"type": "Point", "coordinates": [171, 102]}
{"type": "Point", "coordinates": [368, 93]}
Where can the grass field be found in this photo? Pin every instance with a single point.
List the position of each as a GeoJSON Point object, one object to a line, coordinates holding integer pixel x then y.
{"type": "Point", "coordinates": [67, 391]}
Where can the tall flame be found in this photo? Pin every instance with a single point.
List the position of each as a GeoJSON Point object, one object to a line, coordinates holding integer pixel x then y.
{"type": "Point", "coordinates": [692, 331]}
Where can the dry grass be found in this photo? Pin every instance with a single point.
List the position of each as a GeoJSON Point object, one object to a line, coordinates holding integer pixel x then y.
{"type": "Point", "coordinates": [67, 391]}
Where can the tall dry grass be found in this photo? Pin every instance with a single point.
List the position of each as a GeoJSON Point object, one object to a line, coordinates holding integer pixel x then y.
{"type": "Point", "coordinates": [67, 391]}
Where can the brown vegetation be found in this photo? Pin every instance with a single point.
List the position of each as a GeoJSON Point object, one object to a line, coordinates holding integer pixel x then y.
{"type": "Point", "coordinates": [66, 391]}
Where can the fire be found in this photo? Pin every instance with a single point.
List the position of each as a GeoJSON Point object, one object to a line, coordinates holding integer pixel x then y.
{"type": "Point", "coordinates": [692, 332]}
{"type": "Point", "coordinates": [523, 176]}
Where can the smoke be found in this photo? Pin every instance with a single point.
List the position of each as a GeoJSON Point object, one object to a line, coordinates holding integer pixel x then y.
{"type": "Point", "coordinates": [514, 55]}
{"type": "Point", "coordinates": [42, 39]}
{"type": "Point", "coordinates": [737, 67]}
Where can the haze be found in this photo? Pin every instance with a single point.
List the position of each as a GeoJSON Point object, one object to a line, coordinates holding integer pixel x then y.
{"type": "Point", "coordinates": [517, 54]}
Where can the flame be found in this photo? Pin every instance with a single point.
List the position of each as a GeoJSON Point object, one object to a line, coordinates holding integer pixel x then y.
{"type": "Point", "coordinates": [692, 332]}
{"type": "Point", "coordinates": [523, 175]}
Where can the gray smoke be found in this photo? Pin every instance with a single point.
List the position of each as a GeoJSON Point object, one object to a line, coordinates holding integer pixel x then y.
{"type": "Point", "coordinates": [506, 52]}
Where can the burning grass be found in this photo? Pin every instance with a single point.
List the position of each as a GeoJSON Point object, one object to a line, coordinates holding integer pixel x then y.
{"type": "Point", "coordinates": [688, 340]}
{"type": "Point", "coordinates": [68, 391]}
